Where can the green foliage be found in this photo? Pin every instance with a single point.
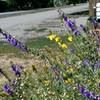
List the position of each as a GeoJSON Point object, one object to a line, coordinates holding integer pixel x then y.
{"type": "Point", "coordinates": [31, 4]}
{"type": "Point", "coordinates": [59, 3]}
{"type": "Point", "coordinates": [61, 71]}
{"type": "Point", "coordinates": [3, 6]}
{"type": "Point", "coordinates": [68, 61]}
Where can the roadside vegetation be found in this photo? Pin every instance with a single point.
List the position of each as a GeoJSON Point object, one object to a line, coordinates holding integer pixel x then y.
{"type": "Point", "coordinates": [15, 5]}
{"type": "Point", "coordinates": [68, 65]}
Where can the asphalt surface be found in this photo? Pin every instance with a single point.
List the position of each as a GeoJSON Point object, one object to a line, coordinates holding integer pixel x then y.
{"type": "Point", "coordinates": [16, 25]}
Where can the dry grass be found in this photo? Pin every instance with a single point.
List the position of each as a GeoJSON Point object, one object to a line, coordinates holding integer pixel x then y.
{"type": "Point", "coordinates": [27, 62]}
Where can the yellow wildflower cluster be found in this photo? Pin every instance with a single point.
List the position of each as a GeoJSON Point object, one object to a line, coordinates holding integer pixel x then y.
{"type": "Point", "coordinates": [46, 82]}
{"type": "Point", "coordinates": [51, 36]}
{"type": "Point", "coordinates": [70, 69]}
{"type": "Point", "coordinates": [69, 80]}
{"type": "Point", "coordinates": [70, 38]}
{"type": "Point", "coordinates": [57, 39]}
{"type": "Point", "coordinates": [64, 46]}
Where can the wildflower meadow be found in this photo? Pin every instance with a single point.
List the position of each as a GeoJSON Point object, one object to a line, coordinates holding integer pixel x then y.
{"type": "Point", "coordinates": [70, 68]}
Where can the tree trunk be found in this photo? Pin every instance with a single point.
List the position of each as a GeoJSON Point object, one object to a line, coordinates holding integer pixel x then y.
{"type": "Point", "coordinates": [91, 5]}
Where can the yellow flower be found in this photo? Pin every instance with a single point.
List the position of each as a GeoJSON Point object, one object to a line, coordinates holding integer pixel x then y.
{"type": "Point", "coordinates": [70, 69]}
{"type": "Point", "coordinates": [46, 82]}
{"type": "Point", "coordinates": [88, 81]}
{"type": "Point", "coordinates": [69, 80]}
{"type": "Point", "coordinates": [51, 37]}
{"type": "Point", "coordinates": [70, 38]}
{"type": "Point", "coordinates": [57, 39]}
{"type": "Point", "coordinates": [64, 46]}
{"type": "Point", "coordinates": [59, 43]}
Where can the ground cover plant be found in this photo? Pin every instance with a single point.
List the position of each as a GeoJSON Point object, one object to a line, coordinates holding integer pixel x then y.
{"type": "Point", "coordinates": [70, 68]}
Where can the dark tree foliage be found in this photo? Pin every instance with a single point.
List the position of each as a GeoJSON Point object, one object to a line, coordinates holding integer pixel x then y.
{"type": "Point", "coordinates": [3, 6]}
{"type": "Point", "coordinates": [77, 1]}
{"type": "Point", "coordinates": [30, 4]}
{"type": "Point", "coordinates": [11, 5]}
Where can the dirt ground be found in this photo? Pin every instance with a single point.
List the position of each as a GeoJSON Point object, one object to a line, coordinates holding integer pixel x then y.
{"type": "Point", "coordinates": [7, 60]}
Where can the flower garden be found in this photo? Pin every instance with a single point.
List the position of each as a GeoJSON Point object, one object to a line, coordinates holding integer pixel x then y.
{"type": "Point", "coordinates": [70, 68]}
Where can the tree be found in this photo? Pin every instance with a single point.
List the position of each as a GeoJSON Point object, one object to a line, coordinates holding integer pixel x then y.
{"type": "Point", "coordinates": [29, 4]}
{"type": "Point", "coordinates": [67, 2]}
{"type": "Point", "coordinates": [91, 4]}
{"type": "Point", "coordinates": [3, 6]}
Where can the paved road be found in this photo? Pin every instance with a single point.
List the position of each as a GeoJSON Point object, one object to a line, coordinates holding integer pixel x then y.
{"type": "Point", "coordinates": [17, 24]}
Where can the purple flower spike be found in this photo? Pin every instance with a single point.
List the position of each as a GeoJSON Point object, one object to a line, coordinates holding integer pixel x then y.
{"type": "Point", "coordinates": [94, 22]}
{"type": "Point", "coordinates": [14, 42]}
{"type": "Point", "coordinates": [98, 49]}
{"type": "Point", "coordinates": [88, 94]}
{"type": "Point", "coordinates": [97, 64]}
{"type": "Point", "coordinates": [14, 82]}
{"type": "Point", "coordinates": [7, 89]}
{"type": "Point", "coordinates": [71, 25]}
{"type": "Point", "coordinates": [81, 89]}
{"type": "Point", "coordinates": [82, 27]}
{"type": "Point", "coordinates": [16, 69]}
{"type": "Point", "coordinates": [76, 32]}
{"type": "Point", "coordinates": [86, 62]}
{"type": "Point", "coordinates": [65, 18]}
{"type": "Point", "coordinates": [97, 97]}
{"type": "Point", "coordinates": [98, 36]}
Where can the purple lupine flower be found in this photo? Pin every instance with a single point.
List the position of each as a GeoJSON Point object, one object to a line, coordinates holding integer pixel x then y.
{"type": "Point", "coordinates": [16, 69]}
{"type": "Point", "coordinates": [97, 64]}
{"type": "Point", "coordinates": [14, 82]}
{"type": "Point", "coordinates": [14, 42]}
{"type": "Point", "coordinates": [94, 22]}
{"type": "Point", "coordinates": [7, 89]}
{"type": "Point", "coordinates": [76, 32]}
{"type": "Point", "coordinates": [21, 46]}
{"type": "Point", "coordinates": [97, 97]}
{"type": "Point", "coordinates": [88, 94]}
{"type": "Point", "coordinates": [98, 36]}
{"type": "Point", "coordinates": [81, 89]}
{"type": "Point", "coordinates": [82, 27]}
{"type": "Point", "coordinates": [98, 49]}
{"type": "Point", "coordinates": [86, 62]}
{"type": "Point", "coordinates": [65, 18]}
{"type": "Point", "coordinates": [71, 25]}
